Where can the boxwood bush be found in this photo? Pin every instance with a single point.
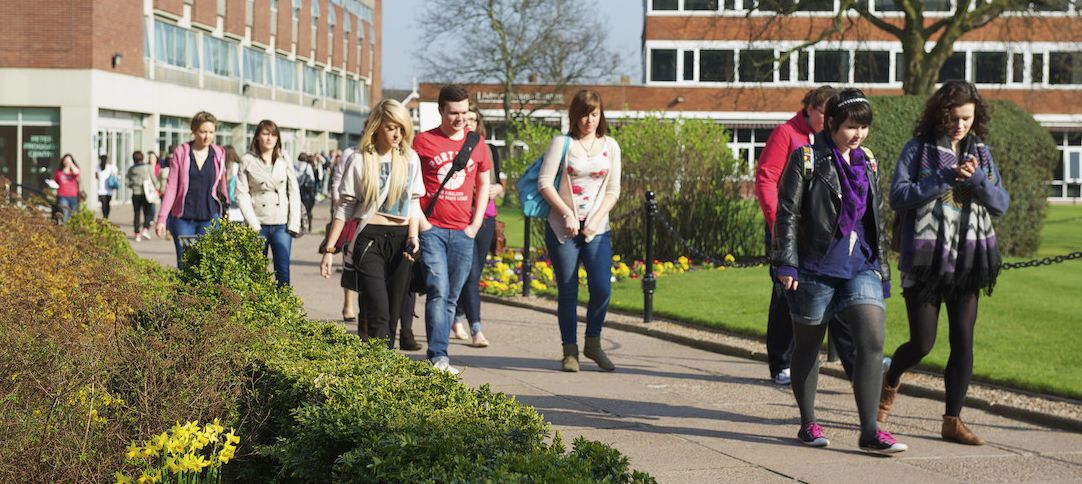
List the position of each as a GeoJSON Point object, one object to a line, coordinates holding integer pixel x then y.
{"type": "Point", "coordinates": [1023, 150]}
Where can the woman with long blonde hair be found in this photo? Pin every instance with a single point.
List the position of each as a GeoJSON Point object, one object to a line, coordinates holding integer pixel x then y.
{"type": "Point", "coordinates": [381, 188]}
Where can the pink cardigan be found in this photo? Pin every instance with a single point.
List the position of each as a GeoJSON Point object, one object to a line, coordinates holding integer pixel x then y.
{"type": "Point", "coordinates": [176, 187]}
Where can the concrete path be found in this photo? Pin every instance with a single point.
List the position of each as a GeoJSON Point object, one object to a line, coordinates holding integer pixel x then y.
{"type": "Point", "coordinates": [687, 415]}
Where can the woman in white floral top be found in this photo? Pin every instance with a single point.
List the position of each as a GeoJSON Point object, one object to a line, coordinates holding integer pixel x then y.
{"type": "Point", "coordinates": [587, 163]}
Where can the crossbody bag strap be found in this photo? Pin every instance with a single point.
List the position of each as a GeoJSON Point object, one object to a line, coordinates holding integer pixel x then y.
{"type": "Point", "coordinates": [459, 162]}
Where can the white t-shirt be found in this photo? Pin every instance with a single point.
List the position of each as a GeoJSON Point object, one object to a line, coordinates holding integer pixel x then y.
{"type": "Point", "coordinates": [103, 176]}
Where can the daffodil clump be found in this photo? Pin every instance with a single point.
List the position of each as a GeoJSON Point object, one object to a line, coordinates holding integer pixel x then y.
{"type": "Point", "coordinates": [502, 274]}
{"type": "Point", "coordinates": [184, 454]}
{"type": "Point", "coordinates": [95, 402]}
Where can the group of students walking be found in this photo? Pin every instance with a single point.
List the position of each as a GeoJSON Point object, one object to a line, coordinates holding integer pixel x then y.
{"type": "Point", "coordinates": [818, 187]}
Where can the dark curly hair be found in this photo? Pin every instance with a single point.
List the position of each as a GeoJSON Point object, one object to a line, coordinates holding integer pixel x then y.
{"type": "Point", "coordinates": [935, 120]}
{"type": "Point", "coordinates": [849, 103]}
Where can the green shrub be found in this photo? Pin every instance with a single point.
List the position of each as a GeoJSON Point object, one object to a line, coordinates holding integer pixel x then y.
{"type": "Point", "coordinates": [695, 178]}
{"type": "Point", "coordinates": [1023, 151]}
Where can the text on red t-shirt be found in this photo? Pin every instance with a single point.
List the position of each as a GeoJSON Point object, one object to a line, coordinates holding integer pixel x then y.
{"type": "Point", "coordinates": [454, 209]}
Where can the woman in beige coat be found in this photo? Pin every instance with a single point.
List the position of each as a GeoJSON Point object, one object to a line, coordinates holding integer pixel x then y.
{"type": "Point", "coordinates": [587, 163]}
{"type": "Point", "coordinates": [268, 196]}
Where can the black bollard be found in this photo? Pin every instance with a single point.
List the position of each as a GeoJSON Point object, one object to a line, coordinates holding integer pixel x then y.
{"type": "Point", "coordinates": [526, 270]}
{"type": "Point", "coordinates": [649, 280]}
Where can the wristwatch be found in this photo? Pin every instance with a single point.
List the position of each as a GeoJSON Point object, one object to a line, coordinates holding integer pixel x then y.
{"type": "Point", "coordinates": [330, 249]}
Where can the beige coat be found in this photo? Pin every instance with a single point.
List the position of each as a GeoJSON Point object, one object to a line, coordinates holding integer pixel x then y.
{"type": "Point", "coordinates": [268, 198]}
{"type": "Point", "coordinates": [610, 186]}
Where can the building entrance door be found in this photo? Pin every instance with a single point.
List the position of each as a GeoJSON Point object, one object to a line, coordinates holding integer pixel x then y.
{"type": "Point", "coordinates": [116, 139]}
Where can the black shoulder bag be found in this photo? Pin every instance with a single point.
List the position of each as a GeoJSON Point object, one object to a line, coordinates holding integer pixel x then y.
{"type": "Point", "coordinates": [417, 278]}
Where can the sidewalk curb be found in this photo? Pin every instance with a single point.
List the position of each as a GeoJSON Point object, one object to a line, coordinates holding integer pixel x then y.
{"type": "Point", "coordinates": [1003, 410]}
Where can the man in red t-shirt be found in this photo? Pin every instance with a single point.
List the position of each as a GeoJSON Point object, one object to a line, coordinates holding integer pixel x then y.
{"type": "Point", "coordinates": [447, 235]}
{"type": "Point", "coordinates": [797, 132]}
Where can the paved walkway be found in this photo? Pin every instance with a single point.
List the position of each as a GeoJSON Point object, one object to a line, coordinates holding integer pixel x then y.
{"type": "Point", "coordinates": [687, 415]}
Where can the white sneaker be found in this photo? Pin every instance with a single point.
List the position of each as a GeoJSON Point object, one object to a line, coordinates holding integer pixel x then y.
{"type": "Point", "coordinates": [783, 378]}
{"type": "Point", "coordinates": [146, 234]}
{"type": "Point", "coordinates": [138, 236]}
{"type": "Point", "coordinates": [443, 363]}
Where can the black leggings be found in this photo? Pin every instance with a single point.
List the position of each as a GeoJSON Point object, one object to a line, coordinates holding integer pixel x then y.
{"type": "Point", "coordinates": [923, 320]}
{"type": "Point", "coordinates": [105, 200]}
{"type": "Point", "coordinates": [383, 275]}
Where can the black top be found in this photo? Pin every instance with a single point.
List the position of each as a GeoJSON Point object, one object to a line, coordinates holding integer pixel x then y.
{"type": "Point", "coordinates": [198, 203]}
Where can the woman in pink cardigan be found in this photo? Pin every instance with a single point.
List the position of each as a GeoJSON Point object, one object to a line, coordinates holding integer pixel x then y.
{"type": "Point", "coordinates": [196, 192]}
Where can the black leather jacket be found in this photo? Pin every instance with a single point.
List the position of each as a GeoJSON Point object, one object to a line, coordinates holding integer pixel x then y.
{"type": "Point", "coordinates": [809, 200]}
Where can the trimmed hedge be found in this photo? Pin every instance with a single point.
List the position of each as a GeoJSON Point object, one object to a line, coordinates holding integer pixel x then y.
{"type": "Point", "coordinates": [1023, 151]}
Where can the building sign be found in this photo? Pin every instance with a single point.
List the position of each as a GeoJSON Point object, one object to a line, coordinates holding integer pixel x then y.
{"type": "Point", "coordinates": [535, 98]}
{"type": "Point", "coordinates": [40, 146]}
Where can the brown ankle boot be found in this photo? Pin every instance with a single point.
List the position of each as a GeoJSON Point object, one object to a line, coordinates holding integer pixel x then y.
{"type": "Point", "coordinates": [592, 350]}
{"type": "Point", "coordinates": [407, 342]}
{"type": "Point", "coordinates": [886, 399]}
{"type": "Point", "coordinates": [955, 431]}
{"type": "Point", "coordinates": [570, 362]}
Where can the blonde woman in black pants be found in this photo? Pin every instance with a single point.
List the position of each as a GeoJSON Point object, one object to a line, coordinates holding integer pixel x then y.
{"type": "Point", "coordinates": [946, 188]}
{"type": "Point", "coordinates": [382, 190]}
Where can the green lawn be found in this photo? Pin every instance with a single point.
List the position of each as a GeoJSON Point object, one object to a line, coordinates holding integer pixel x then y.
{"type": "Point", "coordinates": [1028, 333]}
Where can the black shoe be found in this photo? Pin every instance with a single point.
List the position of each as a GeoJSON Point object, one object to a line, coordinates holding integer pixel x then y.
{"type": "Point", "coordinates": [406, 341]}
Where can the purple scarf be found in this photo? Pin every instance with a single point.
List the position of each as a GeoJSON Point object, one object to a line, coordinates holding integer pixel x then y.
{"type": "Point", "coordinates": [854, 182]}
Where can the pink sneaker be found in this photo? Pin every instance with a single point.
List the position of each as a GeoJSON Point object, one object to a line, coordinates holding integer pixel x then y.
{"type": "Point", "coordinates": [812, 435]}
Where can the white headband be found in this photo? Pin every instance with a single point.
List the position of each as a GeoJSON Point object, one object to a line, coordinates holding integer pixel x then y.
{"type": "Point", "coordinates": [853, 100]}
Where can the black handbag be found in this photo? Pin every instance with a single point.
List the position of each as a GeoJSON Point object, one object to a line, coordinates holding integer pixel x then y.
{"type": "Point", "coordinates": [417, 278]}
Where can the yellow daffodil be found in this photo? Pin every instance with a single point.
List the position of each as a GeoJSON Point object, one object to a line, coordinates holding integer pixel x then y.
{"type": "Point", "coordinates": [232, 438]}
{"type": "Point", "coordinates": [729, 258]}
{"type": "Point", "coordinates": [616, 258]}
{"type": "Point", "coordinates": [172, 464]}
{"type": "Point", "coordinates": [133, 451]}
{"type": "Point", "coordinates": [121, 478]}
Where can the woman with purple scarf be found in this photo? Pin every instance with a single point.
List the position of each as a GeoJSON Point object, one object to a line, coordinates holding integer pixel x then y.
{"type": "Point", "coordinates": [946, 190]}
{"type": "Point", "coordinates": [829, 253]}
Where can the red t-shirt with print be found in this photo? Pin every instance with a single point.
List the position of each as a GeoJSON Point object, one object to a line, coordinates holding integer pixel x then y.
{"type": "Point", "coordinates": [454, 209]}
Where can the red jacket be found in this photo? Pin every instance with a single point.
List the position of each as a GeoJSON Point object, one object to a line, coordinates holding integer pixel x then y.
{"type": "Point", "coordinates": [782, 141]}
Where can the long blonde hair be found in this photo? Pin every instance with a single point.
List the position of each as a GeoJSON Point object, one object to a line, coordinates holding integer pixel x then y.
{"type": "Point", "coordinates": [387, 111]}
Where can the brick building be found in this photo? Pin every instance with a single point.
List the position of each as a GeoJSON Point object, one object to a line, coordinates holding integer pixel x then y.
{"type": "Point", "coordinates": [716, 60]}
{"type": "Point", "coordinates": [114, 76]}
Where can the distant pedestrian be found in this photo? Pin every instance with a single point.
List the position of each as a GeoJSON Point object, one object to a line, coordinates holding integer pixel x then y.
{"type": "Point", "coordinates": [588, 164]}
{"type": "Point", "coordinates": [268, 196]}
{"type": "Point", "coordinates": [830, 255]}
{"type": "Point", "coordinates": [469, 303]}
{"type": "Point", "coordinates": [799, 131]}
{"type": "Point", "coordinates": [106, 176]}
{"type": "Point", "coordinates": [381, 190]}
{"type": "Point", "coordinates": [67, 180]}
{"type": "Point", "coordinates": [946, 189]}
{"type": "Point", "coordinates": [232, 158]}
{"type": "Point", "coordinates": [139, 179]}
{"type": "Point", "coordinates": [196, 192]}
{"type": "Point", "coordinates": [306, 181]}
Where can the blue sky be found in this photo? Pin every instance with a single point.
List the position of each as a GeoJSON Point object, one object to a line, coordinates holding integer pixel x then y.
{"type": "Point", "coordinates": [621, 18]}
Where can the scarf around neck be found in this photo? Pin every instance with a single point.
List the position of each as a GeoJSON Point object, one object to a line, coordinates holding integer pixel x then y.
{"type": "Point", "coordinates": [854, 183]}
{"type": "Point", "coordinates": [954, 243]}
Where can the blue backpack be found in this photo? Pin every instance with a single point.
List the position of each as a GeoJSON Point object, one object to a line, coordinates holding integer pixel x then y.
{"type": "Point", "coordinates": [533, 204]}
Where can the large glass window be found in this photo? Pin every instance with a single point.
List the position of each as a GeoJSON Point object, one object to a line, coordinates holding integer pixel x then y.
{"type": "Point", "coordinates": [665, 4]}
{"type": "Point", "coordinates": [756, 65]}
{"type": "Point", "coordinates": [871, 66]}
{"type": "Point", "coordinates": [285, 74]}
{"type": "Point", "coordinates": [1065, 68]}
{"type": "Point", "coordinates": [1037, 69]}
{"type": "Point", "coordinates": [990, 67]}
{"type": "Point", "coordinates": [928, 5]}
{"type": "Point", "coordinates": [351, 90]}
{"type": "Point", "coordinates": [717, 65]}
{"type": "Point", "coordinates": [831, 66]}
{"type": "Point", "coordinates": [30, 145]}
{"type": "Point", "coordinates": [334, 86]}
{"type": "Point", "coordinates": [312, 84]}
{"type": "Point", "coordinates": [1018, 67]}
{"type": "Point", "coordinates": [257, 69]}
{"type": "Point", "coordinates": [701, 5]}
{"type": "Point", "coordinates": [175, 46]}
{"type": "Point", "coordinates": [953, 68]}
{"type": "Point", "coordinates": [689, 65]}
{"type": "Point", "coordinates": [220, 57]}
{"type": "Point", "coordinates": [662, 64]}
{"type": "Point", "coordinates": [172, 131]}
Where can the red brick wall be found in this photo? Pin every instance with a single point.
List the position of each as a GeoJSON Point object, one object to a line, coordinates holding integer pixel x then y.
{"type": "Point", "coordinates": [750, 99]}
{"type": "Point", "coordinates": [205, 12]}
{"type": "Point", "coordinates": [284, 39]}
{"type": "Point", "coordinates": [319, 37]}
{"type": "Point", "coordinates": [1058, 29]}
{"type": "Point", "coordinates": [339, 33]}
{"type": "Point", "coordinates": [118, 29]}
{"type": "Point", "coordinates": [304, 29]}
{"type": "Point", "coordinates": [351, 45]}
{"type": "Point", "coordinates": [175, 7]}
{"type": "Point", "coordinates": [365, 67]}
{"type": "Point", "coordinates": [234, 17]}
{"type": "Point", "coordinates": [377, 78]}
{"type": "Point", "coordinates": [261, 22]}
{"type": "Point", "coordinates": [35, 36]}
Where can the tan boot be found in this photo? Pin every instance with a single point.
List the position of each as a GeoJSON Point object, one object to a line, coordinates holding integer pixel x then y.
{"type": "Point", "coordinates": [955, 431]}
{"type": "Point", "coordinates": [571, 358]}
{"type": "Point", "coordinates": [593, 351]}
{"type": "Point", "coordinates": [886, 399]}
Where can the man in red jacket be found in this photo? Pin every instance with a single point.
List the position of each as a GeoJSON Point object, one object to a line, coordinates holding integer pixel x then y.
{"type": "Point", "coordinates": [798, 131]}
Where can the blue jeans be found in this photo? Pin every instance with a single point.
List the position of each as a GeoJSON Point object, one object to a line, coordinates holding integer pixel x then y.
{"type": "Point", "coordinates": [447, 258]}
{"type": "Point", "coordinates": [68, 205]}
{"type": "Point", "coordinates": [596, 258]}
{"type": "Point", "coordinates": [187, 226]}
{"type": "Point", "coordinates": [469, 303]}
{"type": "Point", "coordinates": [818, 298]}
{"type": "Point", "coordinates": [280, 243]}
